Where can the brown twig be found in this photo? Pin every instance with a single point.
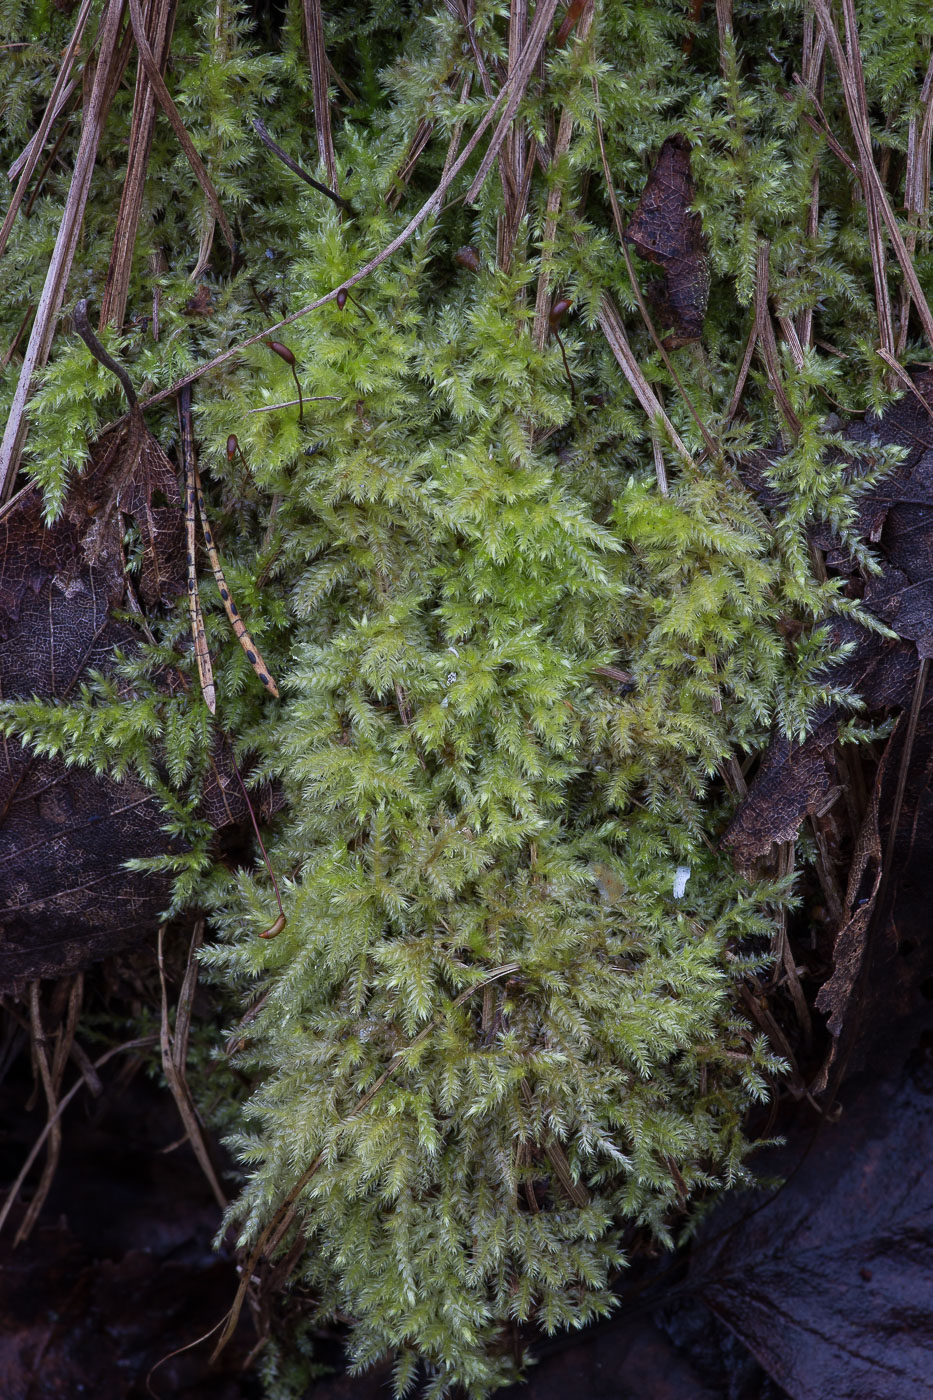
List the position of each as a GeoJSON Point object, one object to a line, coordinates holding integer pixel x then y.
{"type": "Point", "coordinates": [280, 922]}
{"type": "Point", "coordinates": [11, 350]}
{"type": "Point", "coordinates": [849, 67]}
{"type": "Point", "coordinates": [202, 653]}
{"type": "Point", "coordinates": [917, 187]}
{"type": "Point", "coordinates": [707, 437]}
{"type": "Point", "coordinates": [516, 84]}
{"type": "Point", "coordinates": [767, 343]}
{"type": "Point", "coordinates": [613, 329]}
{"type": "Point", "coordinates": [431, 204]}
{"type": "Point", "coordinates": [175, 1054]}
{"type": "Point", "coordinates": [814, 52]}
{"type": "Point", "coordinates": [539, 333]}
{"type": "Point", "coordinates": [41, 1060]}
{"type": "Point", "coordinates": [260, 129]}
{"type": "Point", "coordinates": [43, 173]}
{"type": "Point", "coordinates": [61, 91]}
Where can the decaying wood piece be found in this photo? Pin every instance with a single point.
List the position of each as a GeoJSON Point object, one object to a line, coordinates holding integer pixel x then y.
{"type": "Point", "coordinates": [60, 586]}
{"type": "Point", "coordinates": [666, 232]}
{"type": "Point", "coordinates": [894, 838]}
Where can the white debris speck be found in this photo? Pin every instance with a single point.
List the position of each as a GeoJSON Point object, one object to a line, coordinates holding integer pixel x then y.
{"type": "Point", "coordinates": [681, 876]}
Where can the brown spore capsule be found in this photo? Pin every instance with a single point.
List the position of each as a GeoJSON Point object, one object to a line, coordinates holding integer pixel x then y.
{"type": "Point", "coordinates": [282, 351]}
{"type": "Point", "coordinates": [468, 257]}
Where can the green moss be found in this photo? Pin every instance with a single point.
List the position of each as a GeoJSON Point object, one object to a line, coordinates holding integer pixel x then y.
{"type": "Point", "coordinates": [458, 545]}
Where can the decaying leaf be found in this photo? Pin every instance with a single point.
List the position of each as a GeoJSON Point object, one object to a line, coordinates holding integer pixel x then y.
{"type": "Point", "coordinates": [64, 832]}
{"type": "Point", "coordinates": [665, 232]}
{"type": "Point", "coordinates": [876, 975]}
{"type": "Point", "coordinates": [829, 1284]}
{"type": "Point", "coordinates": [898, 516]}
{"type": "Point", "coordinates": [881, 978]}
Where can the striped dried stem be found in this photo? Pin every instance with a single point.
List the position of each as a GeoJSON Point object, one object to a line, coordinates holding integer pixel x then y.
{"type": "Point", "coordinates": [160, 23]}
{"type": "Point", "coordinates": [201, 653]}
{"type": "Point", "coordinates": [236, 622]}
{"type": "Point", "coordinates": [66, 242]}
{"type": "Point", "coordinates": [848, 65]}
{"type": "Point", "coordinates": [317, 62]}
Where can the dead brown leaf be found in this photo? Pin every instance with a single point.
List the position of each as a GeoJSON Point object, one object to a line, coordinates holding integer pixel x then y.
{"type": "Point", "coordinates": [65, 832]}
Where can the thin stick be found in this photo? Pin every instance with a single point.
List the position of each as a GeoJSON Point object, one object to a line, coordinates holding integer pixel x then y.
{"type": "Point", "coordinates": [317, 62]}
{"type": "Point", "coordinates": [145, 107]}
{"type": "Point", "coordinates": [519, 77]}
{"type": "Point", "coordinates": [83, 326]}
{"type": "Point", "coordinates": [764, 331]}
{"type": "Point", "coordinates": [562, 141]}
{"type": "Point", "coordinates": [147, 59]}
{"type": "Point", "coordinates": [55, 1137]}
{"type": "Point", "coordinates": [201, 652]}
{"type": "Point", "coordinates": [855, 103]}
{"type": "Point", "coordinates": [52, 157]}
{"type": "Point", "coordinates": [174, 1056]}
{"type": "Point", "coordinates": [61, 91]}
{"type": "Point", "coordinates": [613, 329]}
{"type": "Point", "coordinates": [293, 403]}
{"type": "Point", "coordinates": [236, 622]}
{"type": "Point", "coordinates": [8, 355]}
{"type": "Point", "coordinates": [645, 315]}
{"type": "Point", "coordinates": [280, 922]}
{"type": "Point", "coordinates": [260, 129]}
{"type": "Point", "coordinates": [573, 388]}
{"type": "Point", "coordinates": [29, 150]}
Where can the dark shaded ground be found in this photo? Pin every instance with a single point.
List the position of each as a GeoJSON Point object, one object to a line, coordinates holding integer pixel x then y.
{"type": "Point", "coordinates": [120, 1268]}
{"type": "Point", "coordinates": [821, 1290]}
{"type": "Point", "coordinates": [120, 1271]}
